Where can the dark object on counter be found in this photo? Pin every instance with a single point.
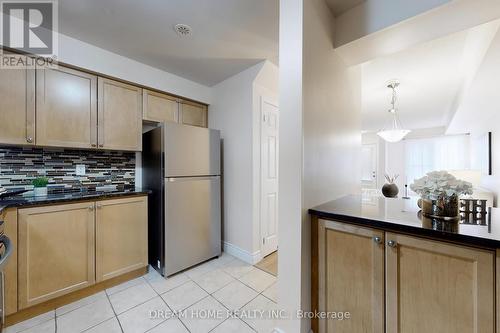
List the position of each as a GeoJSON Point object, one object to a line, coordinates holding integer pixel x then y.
{"type": "Point", "coordinates": [12, 193]}
{"type": "Point", "coordinates": [406, 192]}
{"type": "Point", "coordinates": [390, 190]}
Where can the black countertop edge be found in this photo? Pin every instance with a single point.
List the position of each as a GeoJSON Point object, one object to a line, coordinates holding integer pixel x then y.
{"type": "Point", "coordinates": [398, 228]}
{"type": "Point", "coordinates": [28, 201]}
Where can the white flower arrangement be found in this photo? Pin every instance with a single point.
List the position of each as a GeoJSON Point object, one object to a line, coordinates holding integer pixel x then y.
{"type": "Point", "coordinates": [438, 184]}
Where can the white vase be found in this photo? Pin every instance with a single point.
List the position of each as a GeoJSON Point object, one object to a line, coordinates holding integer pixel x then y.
{"type": "Point", "coordinates": [40, 191]}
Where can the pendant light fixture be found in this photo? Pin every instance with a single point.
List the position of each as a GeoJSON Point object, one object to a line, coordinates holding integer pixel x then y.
{"type": "Point", "coordinates": [394, 131]}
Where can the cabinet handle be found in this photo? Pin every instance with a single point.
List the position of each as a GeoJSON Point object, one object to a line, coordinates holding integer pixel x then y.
{"type": "Point", "coordinates": [91, 208]}
{"type": "Point", "coordinates": [392, 243]}
{"type": "Point", "coordinates": [377, 240]}
{"type": "Point", "coordinates": [29, 139]}
{"type": "Point", "coordinates": [99, 206]}
{"type": "Point", "coordinates": [93, 145]}
{"type": "Point", "coordinates": [101, 145]}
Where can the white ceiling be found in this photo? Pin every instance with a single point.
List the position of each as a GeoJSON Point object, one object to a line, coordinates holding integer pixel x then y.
{"type": "Point", "coordinates": [228, 35]}
{"type": "Point", "coordinates": [432, 77]}
{"type": "Point", "coordinates": [341, 6]}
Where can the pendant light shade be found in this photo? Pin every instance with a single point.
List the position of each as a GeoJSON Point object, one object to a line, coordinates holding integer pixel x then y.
{"type": "Point", "coordinates": [394, 131]}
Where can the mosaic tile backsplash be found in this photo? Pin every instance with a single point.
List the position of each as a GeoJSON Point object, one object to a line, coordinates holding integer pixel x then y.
{"type": "Point", "coordinates": [104, 169]}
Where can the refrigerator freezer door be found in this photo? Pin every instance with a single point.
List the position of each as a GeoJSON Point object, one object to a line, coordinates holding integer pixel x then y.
{"type": "Point", "coordinates": [191, 151]}
{"type": "Point", "coordinates": [192, 222]}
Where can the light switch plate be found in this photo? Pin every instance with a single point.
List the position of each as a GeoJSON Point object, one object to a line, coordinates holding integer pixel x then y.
{"type": "Point", "coordinates": [80, 169]}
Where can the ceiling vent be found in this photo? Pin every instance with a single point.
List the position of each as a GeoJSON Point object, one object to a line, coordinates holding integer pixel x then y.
{"type": "Point", "coordinates": [183, 30]}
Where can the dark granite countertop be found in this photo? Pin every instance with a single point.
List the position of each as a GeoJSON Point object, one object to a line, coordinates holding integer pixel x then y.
{"type": "Point", "coordinates": [402, 215]}
{"type": "Point", "coordinates": [28, 199]}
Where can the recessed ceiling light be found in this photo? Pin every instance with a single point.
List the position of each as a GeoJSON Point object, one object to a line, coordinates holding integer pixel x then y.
{"type": "Point", "coordinates": [183, 29]}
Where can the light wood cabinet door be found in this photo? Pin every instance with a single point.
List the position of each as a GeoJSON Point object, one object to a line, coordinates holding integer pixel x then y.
{"type": "Point", "coordinates": [159, 107]}
{"type": "Point", "coordinates": [17, 106]}
{"type": "Point", "coordinates": [351, 277]}
{"type": "Point", "coordinates": [10, 229]}
{"type": "Point", "coordinates": [119, 115]}
{"type": "Point", "coordinates": [56, 251]}
{"type": "Point", "coordinates": [121, 236]}
{"type": "Point", "coordinates": [193, 114]}
{"type": "Point", "coordinates": [438, 287]}
{"type": "Point", "coordinates": [66, 114]}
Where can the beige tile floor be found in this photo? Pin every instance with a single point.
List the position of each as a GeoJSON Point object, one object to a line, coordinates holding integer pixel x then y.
{"type": "Point", "coordinates": [216, 286]}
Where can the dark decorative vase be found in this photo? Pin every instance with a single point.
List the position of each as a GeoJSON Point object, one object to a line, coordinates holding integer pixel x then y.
{"type": "Point", "coordinates": [390, 190]}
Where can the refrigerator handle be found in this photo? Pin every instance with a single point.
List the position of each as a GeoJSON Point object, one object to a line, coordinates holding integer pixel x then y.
{"type": "Point", "coordinates": [180, 179]}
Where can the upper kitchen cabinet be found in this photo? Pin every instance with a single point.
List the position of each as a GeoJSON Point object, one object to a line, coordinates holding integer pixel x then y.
{"type": "Point", "coordinates": [66, 108]}
{"type": "Point", "coordinates": [193, 114]}
{"type": "Point", "coordinates": [119, 115]}
{"type": "Point", "coordinates": [17, 106]}
{"type": "Point", "coordinates": [159, 107]}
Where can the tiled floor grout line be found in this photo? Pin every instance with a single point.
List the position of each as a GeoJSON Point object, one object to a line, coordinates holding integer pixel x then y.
{"type": "Point", "coordinates": [215, 266]}
{"type": "Point", "coordinates": [112, 308]}
{"type": "Point", "coordinates": [152, 328]}
{"type": "Point", "coordinates": [234, 279]}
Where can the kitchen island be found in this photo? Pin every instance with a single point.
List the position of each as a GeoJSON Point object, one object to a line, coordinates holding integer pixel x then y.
{"type": "Point", "coordinates": [396, 270]}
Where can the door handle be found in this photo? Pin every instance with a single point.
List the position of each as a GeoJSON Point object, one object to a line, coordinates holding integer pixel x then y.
{"type": "Point", "coordinates": [392, 243]}
{"type": "Point", "coordinates": [377, 240]}
{"type": "Point", "coordinates": [8, 250]}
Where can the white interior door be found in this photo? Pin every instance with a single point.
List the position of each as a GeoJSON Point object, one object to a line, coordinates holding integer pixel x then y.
{"type": "Point", "coordinates": [369, 166]}
{"type": "Point", "coordinates": [269, 176]}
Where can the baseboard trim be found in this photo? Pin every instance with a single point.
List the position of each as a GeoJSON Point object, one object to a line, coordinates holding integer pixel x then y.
{"type": "Point", "coordinates": [235, 251]}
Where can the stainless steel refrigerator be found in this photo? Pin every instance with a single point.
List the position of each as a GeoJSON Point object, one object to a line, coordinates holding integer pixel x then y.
{"type": "Point", "coordinates": [181, 165]}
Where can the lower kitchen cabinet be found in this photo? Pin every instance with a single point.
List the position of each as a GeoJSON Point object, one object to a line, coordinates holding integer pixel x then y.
{"type": "Point", "coordinates": [351, 277]}
{"type": "Point", "coordinates": [430, 286]}
{"type": "Point", "coordinates": [438, 287]}
{"type": "Point", "coordinates": [55, 251]}
{"type": "Point", "coordinates": [121, 236]}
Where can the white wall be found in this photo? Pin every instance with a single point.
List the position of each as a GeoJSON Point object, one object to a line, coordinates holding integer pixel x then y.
{"type": "Point", "coordinates": [81, 54]}
{"type": "Point", "coordinates": [374, 15]}
{"type": "Point", "coordinates": [290, 159]}
{"type": "Point", "coordinates": [478, 113]}
{"type": "Point", "coordinates": [235, 112]}
{"type": "Point", "coordinates": [395, 164]}
{"type": "Point", "coordinates": [231, 112]}
{"type": "Point", "coordinates": [320, 137]}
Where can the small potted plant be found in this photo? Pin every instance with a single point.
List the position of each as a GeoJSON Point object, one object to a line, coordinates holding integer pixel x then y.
{"type": "Point", "coordinates": [40, 186]}
{"type": "Point", "coordinates": [390, 189]}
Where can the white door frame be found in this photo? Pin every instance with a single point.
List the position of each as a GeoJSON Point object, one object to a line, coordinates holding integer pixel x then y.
{"type": "Point", "coordinates": [267, 245]}
{"type": "Point", "coordinates": [372, 182]}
